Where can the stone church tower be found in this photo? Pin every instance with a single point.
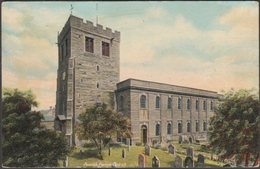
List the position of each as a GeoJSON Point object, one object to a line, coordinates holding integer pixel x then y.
{"type": "Point", "coordinates": [88, 71]}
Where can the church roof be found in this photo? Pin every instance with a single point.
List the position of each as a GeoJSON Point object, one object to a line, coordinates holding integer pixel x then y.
{"type": "Point", "coordinates": [164, 88]}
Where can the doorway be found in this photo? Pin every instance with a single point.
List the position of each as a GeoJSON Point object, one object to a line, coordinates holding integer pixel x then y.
{"type": "Point", "coordinates": [144, 134]}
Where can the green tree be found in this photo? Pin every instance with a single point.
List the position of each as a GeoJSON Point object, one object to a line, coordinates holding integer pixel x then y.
{"type": "Point", "coordinates": [99, 124]}
{"type": "Point", "coordinates": [26, 143]}
{"type": "Point", "coordinates": [234, 130]}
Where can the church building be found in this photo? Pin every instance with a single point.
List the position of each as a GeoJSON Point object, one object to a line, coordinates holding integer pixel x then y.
{"type": "Point", "coordinates": [88, 73]}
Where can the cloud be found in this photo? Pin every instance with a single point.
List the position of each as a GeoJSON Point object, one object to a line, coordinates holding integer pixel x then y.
{"type": "Point", "coordinates": [217, 59]}
{"type": "Point", "coordinates": [156, 12]}
{"type": "Point", "coordinates": [43, 88]}
{"type": "Point", "coordinates": [155, 46]}
{"type": "Point", "coordinates": [29, 55]}
{"type": "Point", "coordinates": [13, 19]}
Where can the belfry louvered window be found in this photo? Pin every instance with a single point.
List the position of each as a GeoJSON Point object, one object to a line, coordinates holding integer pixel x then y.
{"type": "Point", "coordinates": [89, 44]}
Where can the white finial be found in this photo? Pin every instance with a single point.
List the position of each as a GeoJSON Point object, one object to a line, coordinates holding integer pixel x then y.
{"type": "Point", "coordinates": [71, 8]}
{"type": "Point", "coordinates": [97, 13]}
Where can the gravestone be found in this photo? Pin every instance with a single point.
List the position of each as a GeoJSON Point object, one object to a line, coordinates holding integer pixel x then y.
{"type": "Point", "coordinates": [80, 153]}
{"type": "Point", "coordinates": [171, 149]}
{"type": "Point", "coordinates": [190, 139]}
{"type": "Point", "coordinates": [178, 163]}
{"type": "Point", "coordinates": [189, 152]}
{"type": "Point", "coordinates": [141, 161]}
{"type": "Point", "coordinates": [188, 162]}
{"type": "Point", "coordinates": [155, 162]}
{"type": "Point", "coordinates": [128, 143]}
{"type": "Point", "coordinates": [123, 153]}
{"type": "Point", "coordinates": [147, 150]}
{"type": "Point", "coordinates": [180, 139]}
{"type": "Point", "coordinates": [201, 160]}
{"type": "Point", "coordinates": [109, 151]}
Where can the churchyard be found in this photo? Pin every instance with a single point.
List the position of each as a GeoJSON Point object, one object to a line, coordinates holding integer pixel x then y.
{"type": "Point", "coordinates": [121, 155]}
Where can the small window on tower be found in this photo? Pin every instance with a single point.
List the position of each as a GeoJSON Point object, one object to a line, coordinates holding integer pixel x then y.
{"type": "Point", "coordinates": [97, 85]}
{"type": "Point", "coordinates": [66, 47]}
{"type": "Point", "coordinates": [62, 50]}
{"type": "Point", "coordinates": [63, 75]}
{"type": "Point", "coordinates": [105, 49]}
{"type": "Point", "coordinates": [89, 44]}
{"type": "Point", "coordinates": [97, 68]}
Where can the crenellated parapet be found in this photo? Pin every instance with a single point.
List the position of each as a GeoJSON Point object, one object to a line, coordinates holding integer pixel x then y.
{"type": "Point", "coordinates": [89, 27]}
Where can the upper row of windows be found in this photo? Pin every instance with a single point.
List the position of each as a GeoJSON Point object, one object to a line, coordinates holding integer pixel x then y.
{"type": "Point", "coordinates": [89, 46]}
{"type": "Point", "coordinates": [170, 103]}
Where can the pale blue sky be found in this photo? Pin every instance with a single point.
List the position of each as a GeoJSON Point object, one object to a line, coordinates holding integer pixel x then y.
{"type": "Point", "coordinates": [210, 45]}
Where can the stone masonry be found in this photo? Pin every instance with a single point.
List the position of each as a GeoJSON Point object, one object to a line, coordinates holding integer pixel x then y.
{"type": "Point", "coordinates": [130, 91]}
{"type": "Point", "coordinates": [84, 78]}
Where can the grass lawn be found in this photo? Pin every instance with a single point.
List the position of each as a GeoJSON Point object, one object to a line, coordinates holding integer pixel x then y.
{"type": "Point", "coordinates": [89, 156]}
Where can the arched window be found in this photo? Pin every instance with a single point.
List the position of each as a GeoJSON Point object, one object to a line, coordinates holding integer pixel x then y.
{"type": "Point", "coordinates": [157, 102]}
{"type": "Point", "coordinates": [143, 101]}
{"type": "Point", "coordinates": [197, 104]}
{"type": "Point", "coordinates": [121, 103]}
{"type": "Point", "coordinates": [169, 103]}
{"type": "Point", "coordinates": [179, 128]}
{"type": "Point", "coordinates": [204, 126]}
{"type": "Point", "coordinates": [157, 129]}
{"type": "Point", "coordinates": [211, 105]}
{"type": "Point", "coordinates": [169, 128]}
{"type": "Point", "coordinates": [188, 127]}
{"type": "Point", "coordinates": [188, 104]}
{"type": "Point", "coordinates": [204, 105]}
{"type": "Point", "coordinates": [179, 103]}
{"type": "Point", "coordinates": [197, 126]}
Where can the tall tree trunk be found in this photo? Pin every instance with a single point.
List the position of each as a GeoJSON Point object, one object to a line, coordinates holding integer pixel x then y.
{"type": "Point", "coordinates": [100, 149]}
{"type": "Point", "coordinates": [256, 160]}
{"type": "Point", "coordinates": [247, 159]}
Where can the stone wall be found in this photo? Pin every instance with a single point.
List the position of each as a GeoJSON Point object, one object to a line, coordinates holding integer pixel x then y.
{"type": "Point", "coordinates": [151, 115]}
{"type": "Point", "coordinates": [85, 78]}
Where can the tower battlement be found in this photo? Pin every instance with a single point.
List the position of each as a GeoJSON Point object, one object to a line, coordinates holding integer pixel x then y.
{"type": "Point", "coordinates": [88, 26]}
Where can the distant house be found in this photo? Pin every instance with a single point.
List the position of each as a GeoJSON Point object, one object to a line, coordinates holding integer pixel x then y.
{"type": "Point", "coordinates": [49, 116]}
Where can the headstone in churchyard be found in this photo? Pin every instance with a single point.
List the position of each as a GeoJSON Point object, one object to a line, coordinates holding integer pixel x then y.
{"type": "Point", "coordinates": [201, 160]}
{"type": "Point", "coordinates": [189, 152]}
{"type": "Point", "coordinates": [123, 153]}
{"type": "Point", "coordinates": [80, 153]}
{"type": "Point", "coordinates": [109, 151]}
{"type": "Point", "coordinates": [190, 139]}
{"type": "Point", "coordinates": [188, 162]}
{"type": "Point", "coordinates": [180, 139]}
{"type": "Point", "coordinates": [147, 150]}
{"type": "Point", "coordinates": [178, 163]}
{"type": "Point", "coordinates": [171, 149]}
{"type": "Point", "coordinates": [141, 161]}
{"type": "Point", "coordinates": [155, 162]}
{"type": "Point", "coordinates": [128, 143]}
